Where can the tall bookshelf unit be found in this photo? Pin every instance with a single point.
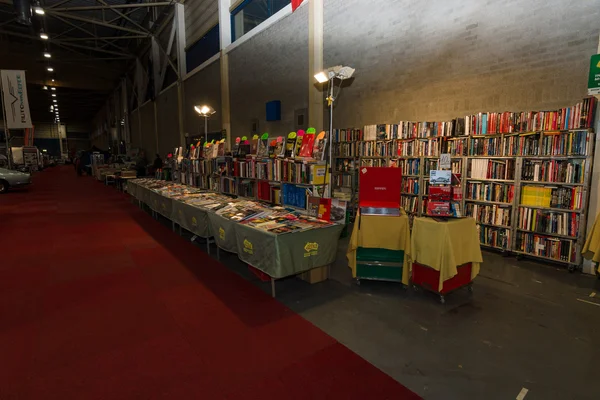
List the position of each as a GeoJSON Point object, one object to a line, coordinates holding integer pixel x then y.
{"type": "Point", "coordinates": [525, 177]}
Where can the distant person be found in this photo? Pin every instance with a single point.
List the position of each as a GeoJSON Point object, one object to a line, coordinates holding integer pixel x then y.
{"type": "Point", "coordinates": [158, 163]}
{"type": "Point", "coordinates": [141, 164]}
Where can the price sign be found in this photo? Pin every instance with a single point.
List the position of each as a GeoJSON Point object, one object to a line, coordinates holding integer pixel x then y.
{"type": "Point", "coordinates": [445, 161]}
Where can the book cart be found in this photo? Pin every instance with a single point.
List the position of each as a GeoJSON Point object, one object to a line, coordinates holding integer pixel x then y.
{"type": "Point", "coordinates": [379, 247]}
{"type": "Point", "coordinates": [526, 175]}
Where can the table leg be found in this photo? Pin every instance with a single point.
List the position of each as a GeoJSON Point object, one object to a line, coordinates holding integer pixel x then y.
{"type": "Point", "coordinates": [272, 287]}
{"type": "Point", "coordinates": [208, 245]}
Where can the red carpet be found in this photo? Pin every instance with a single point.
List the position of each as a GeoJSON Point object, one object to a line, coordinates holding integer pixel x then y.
{"type": "Point", "coordinates": [99, 301]}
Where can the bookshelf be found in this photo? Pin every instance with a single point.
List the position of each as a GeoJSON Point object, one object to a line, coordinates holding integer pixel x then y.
{"type": "Point", "coordinates": [525, 175]}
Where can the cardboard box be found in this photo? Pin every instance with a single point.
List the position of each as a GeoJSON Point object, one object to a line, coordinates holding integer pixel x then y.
{"type": "Point", "coordinates": [440, 193]}
{"type": "Point", "coordinates": [315, 275]}
{"type": "Point", "coordinates": [439, 209]}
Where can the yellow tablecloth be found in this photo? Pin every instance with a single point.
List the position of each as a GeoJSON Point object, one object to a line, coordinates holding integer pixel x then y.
{"type": "Point", "coordinates": [445, 245]}
{"type": "Point", "coordinates": [591, 248]}
{"type": "Point", "coordinates": [384, 232]}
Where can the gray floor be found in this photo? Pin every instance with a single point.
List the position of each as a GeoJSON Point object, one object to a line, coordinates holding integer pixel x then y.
{"type": "Point", "coordinates": [523, 327]}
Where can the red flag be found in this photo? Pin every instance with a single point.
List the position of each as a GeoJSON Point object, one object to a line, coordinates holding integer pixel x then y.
{"type": "Point", "coordinates": [296, 4]}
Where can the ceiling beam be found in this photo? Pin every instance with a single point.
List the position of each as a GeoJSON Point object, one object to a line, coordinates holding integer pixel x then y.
{"type": "Point", "coordinates": [106, 6]}
{"type": "Point", "coordinates": [92, 34]}
{"type": "Point", "coordinates": [124, 16]}
{"type": "Point", "coordinates": [103, 38]}
{"type": "Point", "coordinates": [96, 22]}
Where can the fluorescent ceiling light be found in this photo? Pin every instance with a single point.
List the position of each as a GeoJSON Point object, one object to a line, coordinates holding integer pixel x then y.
{"type": "Point", "coordinates": [43, 35]}
{"type": "Point", "coordinates": [53, 94]}
{"type": "Point", "coordinates": [39, 10]}
{"type": "Point", "coordinates": [45, 88]}
{"type": "Point", "coordinates": [50, 69]}
{"type": "Point", "coordinates": [52, 80]}
{"type": "Point", "coordinates": [52, 88]}
{"type": "Point", "coordinates": [47, 55]}
{"type": "Point", "coordinates": [54, 100]}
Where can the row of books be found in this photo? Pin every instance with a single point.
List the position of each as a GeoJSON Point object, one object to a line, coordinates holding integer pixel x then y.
{"type": "Point", "coordinates": [568, 198]}
{"type": "Point", "coordinates": [410, 204]}
{"type": "Point", "coordinates": [494, 236]}
{"type": "Point", "coordinates": [410, 186]}
{"type": "Point", "coordinates": [409, 166]}
{"type": "Point", "coordinates": [409, 130]}
{"type": "Point", "coordinates": [486, 168]}
{"type": "Point", "coordinates": [575, 143]}
{"type": "Point", "coordinates": [559, 143]}
{"type": "Point", "coordinates": [490, 191]}
{"type": "Point", "coordinates": [550, 222]}
{"type": "Point", "coordinates": [419, 148]}
{"type": "Point", "coordinates": [347, 135]}
{"type": "Point", "coordinates": [280, 170]}
{"type": "Point", "coordinates": [558, 171]}
{"type": "Point", "coordinates": [546, 246]}
{"type": "Point", "coordinates": [578, 116]}
{"type": "Point", "coordinates": [489, 214]}
{"type": "Point", "coordinates": [434, 163]}
{"type": "Point", "coordinates": [344, 180]}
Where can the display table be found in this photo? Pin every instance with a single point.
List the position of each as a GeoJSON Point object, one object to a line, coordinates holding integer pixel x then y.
{"type": "Point", "coordinates": [277, 255]}
{"type": "Point", "coordinates": [443, 250]}
{"type": "Point", "coordinates": [381, 244]}
{"type": "Point", "coordinates": [287, 254]}
{"type": "Point", "coordinates": [591, 248]}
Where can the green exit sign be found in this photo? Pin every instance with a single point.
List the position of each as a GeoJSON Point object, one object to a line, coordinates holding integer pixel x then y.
{"type": "Point", "coordinates": [594, 78]}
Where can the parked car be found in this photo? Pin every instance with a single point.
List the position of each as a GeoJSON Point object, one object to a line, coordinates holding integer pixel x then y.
{"type": "Point", "coordinates": [12, 179]}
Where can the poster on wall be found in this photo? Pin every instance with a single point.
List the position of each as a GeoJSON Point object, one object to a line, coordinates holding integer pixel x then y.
{"type": "Point", "coordinates": [14, 96]}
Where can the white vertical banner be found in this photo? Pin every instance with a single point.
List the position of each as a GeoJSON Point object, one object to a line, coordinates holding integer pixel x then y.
{"type": "Point", "coordinates": [14, 94]}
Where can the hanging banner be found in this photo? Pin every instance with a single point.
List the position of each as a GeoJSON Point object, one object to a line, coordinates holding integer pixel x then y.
{"type": "Point", "coordinates": [296, 4]}
{"type": "Point", "coordinates": [14, 95]}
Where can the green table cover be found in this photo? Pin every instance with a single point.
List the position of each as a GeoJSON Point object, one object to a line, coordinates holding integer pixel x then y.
{"type": "Point", "coordinates": [191, 218]}
{"type": "Point", "coordinates": [223, 231]}
{"type": "Point", "coordinates": [287, 254]}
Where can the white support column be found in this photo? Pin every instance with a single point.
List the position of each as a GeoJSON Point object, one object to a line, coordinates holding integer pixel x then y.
{"type": "Point", "coordinates": [225, 40]}
{"type": "Point", "coordinates": [315, 63]}
{"type": "Point", "coordinates": [125, 112]}
{"type": "Point", "coordinates": [179, 21]}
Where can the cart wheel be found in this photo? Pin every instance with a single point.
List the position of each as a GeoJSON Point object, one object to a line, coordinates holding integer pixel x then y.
{"type": "Point", "coordinates": [470, 288]}
{"type": "Point", "coordinates": [358, 281]}
{"type": "Point", "coordinates": [442, 299]}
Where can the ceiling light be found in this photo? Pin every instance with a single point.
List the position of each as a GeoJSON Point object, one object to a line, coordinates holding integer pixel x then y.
{"type": "Point", "coordinates": [45, 88]}
{"type": "Point", "coordinates": [54, 100]}
{"type": "Point", "coordinates": [52, 88]}
{"type": "Point", "coordinates": [52, 80]}
{"type": "Point", "coordinates": [43, 35]}
{"type": "Point", "coordinates": [53, 94]}
{"type": "Point", "coordinates": [335, 72]}
{"type": "Point", "coordinates": [37, 8]}
{"type": "Point", "coordinates": [47, 55]}
{"type": "Point", "coordinates": [50, 69]}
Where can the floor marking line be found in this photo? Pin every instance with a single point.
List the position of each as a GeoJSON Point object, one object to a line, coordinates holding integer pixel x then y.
{"type": "Point", "coordinates": [589, 302]}
{"type": "Point", "coordinates": [522, 394]}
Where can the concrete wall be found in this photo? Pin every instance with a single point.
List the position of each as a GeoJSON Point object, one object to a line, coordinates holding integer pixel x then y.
{"type": "Point", "coordinates": [273, 65]}
{"type": "Point", "coordinates": [168, 121]}
{"type": "Point", "coordinates": [438, 60]}
{"type": "Point", "coordinates": [204, 87]}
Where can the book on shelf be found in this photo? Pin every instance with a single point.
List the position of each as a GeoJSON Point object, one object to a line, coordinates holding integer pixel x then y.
{"type": "Point", "coordinates": [578, 116]}
{"type": "Point", "coordinates": [494, 236]}
{"type": "Point", "coordinates": [546, 246]}
{"type": "Point", "coordinates": [555, 171]}
{"type": "Point", "coordinates": [320, 147]}
{"type": "Point", "coordinates": [263, 146]}
{"type": "Point", "coordinates": [409, 166]}
{"type": "Point", "coordinates": [489, 213]}
{"type": "Point", "coordinates": [289, 144]}
{"type": "Point", "coordinates": [574, 143]}
{"type": "Point", "coordinates": [480, 146]}
{"type": "Point", "coordinates": [549, 222]}
{"type": "Point", "coordinates": [410, 185]}
{"type": "Point", "coordinates": [456, 147]}
{"type": "Point", "coordinates": [308, 141]}
{"type": "Point", "coordinates": [568, 198]}
{"type": "Point", "coordinates": [527, 144]}
{"type": "Point", "coordinates": [486, 168]}
{"type": "Point", "coordinates": [490, 191]}
{"type": "Point", "coordinates": [347, 135]}
{"type": "Point", "coordinates": [298, 144]}
{"type": "Point", "coordinates": [409, 203]}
